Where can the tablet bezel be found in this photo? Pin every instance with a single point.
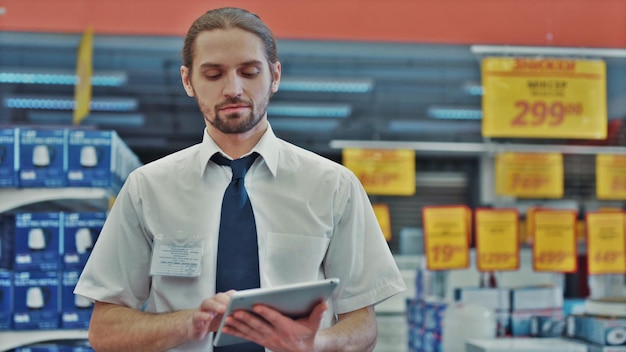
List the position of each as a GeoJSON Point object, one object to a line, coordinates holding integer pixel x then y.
{"type": "Point", "coordinates": [293, 300]}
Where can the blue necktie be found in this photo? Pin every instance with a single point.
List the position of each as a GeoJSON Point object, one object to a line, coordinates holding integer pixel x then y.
{"type": "Point", "coordinates": [237, 249]}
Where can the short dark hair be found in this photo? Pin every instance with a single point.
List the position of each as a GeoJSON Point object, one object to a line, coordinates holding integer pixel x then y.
{"type": "Point", "coordinates": [230, 17]}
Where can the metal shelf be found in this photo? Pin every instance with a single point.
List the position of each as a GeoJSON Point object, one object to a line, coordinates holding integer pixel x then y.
{"type": "Point", "coordinates": [13, 339]}
{"type": "Point", "coordinates": [14, 198]}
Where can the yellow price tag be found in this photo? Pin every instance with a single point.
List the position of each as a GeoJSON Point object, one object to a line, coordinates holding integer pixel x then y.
{"type": "Point", "coordinates": [497, 239]}
{"type": "Point", "coordinates": [383, 172]}
{"type": "Point", "coordinates": [529, 175]}
{"type": "Point", "coordinates": [554, 247]}
{"type": "Point", "coordinates": [446, 237]}
{"type": "Point", "coordinates": [384, 220]}
{"type": "Point", "coordinates": [611, 176]}
{"type": "Point", "coordinates": [544, 98]}
{"type": "Point", "coordinates": [606, 243]}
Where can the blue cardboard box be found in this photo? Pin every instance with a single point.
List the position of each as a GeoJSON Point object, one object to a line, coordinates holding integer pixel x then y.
{"type": "Point", "coordinates": [75, 310]}
{"type": "Point", "coordinates": [38, 241]}
{"type": "Point", "coordinates": [93, 159]}
{"type": "Point", "coordinates": [9, 161]}
{"type": "Point", "coordinates": [43, 158]}
{"type": "Point", "coordinates": [36, 300]}
{"type": "Point", "coordinates": [6, 299]}
{"type": "Point", "coordinates": [80, 232]}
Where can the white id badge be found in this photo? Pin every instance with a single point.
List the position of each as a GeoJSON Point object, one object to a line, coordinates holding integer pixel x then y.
{"type": "Point", "coordinates": [180, 256]}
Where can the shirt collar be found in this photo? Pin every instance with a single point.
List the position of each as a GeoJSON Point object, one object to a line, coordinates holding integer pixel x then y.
{"type": "Point", "coordinates": [267, 147]}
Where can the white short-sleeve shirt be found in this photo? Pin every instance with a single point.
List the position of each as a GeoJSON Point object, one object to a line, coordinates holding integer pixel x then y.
{"type": "Point", "coordinates": [313, 218]}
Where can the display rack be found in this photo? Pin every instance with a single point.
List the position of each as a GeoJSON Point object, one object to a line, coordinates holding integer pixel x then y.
{"type": "Point", "coordinates": [77, 199]}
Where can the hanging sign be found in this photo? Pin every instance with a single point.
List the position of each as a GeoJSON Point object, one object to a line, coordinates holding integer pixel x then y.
{"type": "Point", "coordinates": [611, 177]}
{"type": "Point", "coordinates": [383, 172]}
{"type": "Point", "coordinates": [606, 243]}
{"type": "Point", "coordinates": [554, 245]}
{"type": "Point", "coordinates": [446, 236]}
{"type": "Point", "coordinates": [384, 220]}
{"type": "Point", "coordinates": [544, 98]}
{"type": "Point", "coordinates": [529, 175]}
{"type": "Point", "coordinates": [497, 239]}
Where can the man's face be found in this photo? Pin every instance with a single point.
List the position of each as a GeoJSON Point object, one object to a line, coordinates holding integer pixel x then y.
{"type": "Point", "coordinates": [231, 79]}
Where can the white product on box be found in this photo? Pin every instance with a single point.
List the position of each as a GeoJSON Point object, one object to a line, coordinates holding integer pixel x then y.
{"type": "Point", "coordinates": [43, 157]}
{"type": "Point", "coordinates": [9, 160]}
{"type": "Point", "coordinates": [524, 345]}
{"type": "Point", "coordinates": [536, 297]}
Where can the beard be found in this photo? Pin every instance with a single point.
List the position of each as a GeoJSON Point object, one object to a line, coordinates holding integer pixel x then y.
{"type": "Point", "coordinates": [235, 123]}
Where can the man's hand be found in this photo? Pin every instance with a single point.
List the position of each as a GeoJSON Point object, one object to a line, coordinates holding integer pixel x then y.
{"type": "Point", "coordinates": [275, 331]}
{"type": "Point", "coordinates": [207, 318]}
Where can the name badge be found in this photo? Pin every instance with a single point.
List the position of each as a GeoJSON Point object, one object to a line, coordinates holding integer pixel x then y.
{"type": "Point", "coordinates": [176, 260]}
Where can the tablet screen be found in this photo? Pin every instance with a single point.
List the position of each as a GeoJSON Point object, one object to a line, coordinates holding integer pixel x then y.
{"type": "Point", "coordinates": [294, 300]}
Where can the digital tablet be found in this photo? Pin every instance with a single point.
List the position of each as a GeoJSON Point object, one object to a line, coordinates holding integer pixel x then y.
{"type": "Point", "coordinates": [294, 300]}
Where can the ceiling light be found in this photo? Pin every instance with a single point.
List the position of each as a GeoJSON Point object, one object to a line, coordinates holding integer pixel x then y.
{"type": "Point", "coordinates": [309, 110]}
{"type": "Point", "coordinates": [99, 119]}
{"type": "Point", "coordinates": [60, 77]}
{"type": "Point", "coordinates": [331, 85]}
{"type": "Point", "coordinates": [304, 125]}
{"type": "Point", "coordinates": [455, 113]}
{"type": "Point", "coordinates": [57, 103]}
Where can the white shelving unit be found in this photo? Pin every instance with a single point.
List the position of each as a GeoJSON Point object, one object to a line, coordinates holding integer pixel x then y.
{"type": "Point", "coordinates": [72, 198]}
{"type": "Point", "coordinates": [13, 339]}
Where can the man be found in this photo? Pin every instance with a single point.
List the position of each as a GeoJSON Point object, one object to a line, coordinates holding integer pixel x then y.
{"type": "Point", "coordinates": [313, 220]}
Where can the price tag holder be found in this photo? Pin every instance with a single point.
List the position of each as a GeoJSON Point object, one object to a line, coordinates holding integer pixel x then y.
{"type": "Point", "coordinates": [381, 171]}
{"type": "Point", "coordinates": [497, 239]}
{"type": "Point", "coordinates": [446, 237]}
{"type": "Point", "coordinates": [606, 243]}
{"type": "Point", "coordinates": [529, 175]}
{"type": "Point", "coordinates": [611, 177]}
{"type": "Point", "coordinates": [554, 246]}
{"type": "Point", "coordinates": [544, 98]}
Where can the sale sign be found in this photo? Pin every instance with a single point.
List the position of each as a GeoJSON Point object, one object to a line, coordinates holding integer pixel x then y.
{"type": "Point", "coordinates": [544, 98]}
{"type": "Point", "coordinates": [529, 175]}
{"type": "Point", "coordinates": [611, 177]}
{"type": "Point", "coordinates": [497, 239]}
{"type": "Point", "coordinates": [554, 246]}
{"type": "Point", "coordinates": [446, 236]}
{"type": "Point", "coordinates": [383, 172]}
{"type": "Point", "coordinates": [606, 243]}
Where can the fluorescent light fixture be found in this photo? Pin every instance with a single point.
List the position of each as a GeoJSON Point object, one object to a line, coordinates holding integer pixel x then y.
{"type": "Point", "coordinates": [431, 126]}
{"type": "Point", "coordinates": [309, 110]}
{"type": "Point", "coordinates": [59, 103]}
{"type": "Point", "coordinates": [99, 119]}
{"type": "Point", "coordinates": [330, 85]}
{"type": "Point", "coordinates": [454, 113]}
{"type": "Point", "coordinates": [303, 125]}
{"type": "Point", "coordinates": [546, 51]}
{"type": "Point", "coordinates": [474, 89]}
{"type": "Point", "coordinates": [61, 77]}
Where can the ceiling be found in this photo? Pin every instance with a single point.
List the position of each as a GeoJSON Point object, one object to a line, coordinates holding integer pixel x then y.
{"type": "Point", "coordinates": [395, 89]}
